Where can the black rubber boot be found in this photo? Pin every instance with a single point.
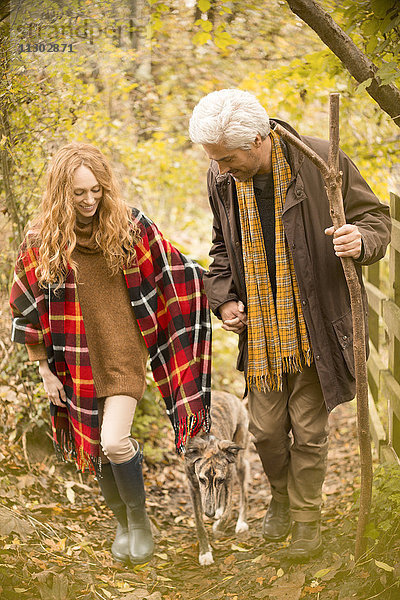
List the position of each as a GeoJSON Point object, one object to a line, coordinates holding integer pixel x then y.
{"type": "Point", "coordinates": [108, 486]}
{"type": "Point", "coordinates": [129, 478]}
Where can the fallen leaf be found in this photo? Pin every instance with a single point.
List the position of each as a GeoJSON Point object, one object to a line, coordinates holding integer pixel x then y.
{"type": "Point", "coordinates": [138, 594]}
{"type": "Point", "coordinates": [179, 519]}
{"type": "Point", "coordinates": [10, 522]}
{"type": "Point", "coordinates": [287, 587]}
{"type": "Point", "coordinates": [26, 481]}
{"type": "Point", "coordinates": [239, 548]}
{"type": "Point", "coordinates": [261, 594]}
{"type": "Point", "coordinates": [315, 589]}
{"type": "Point", "coordinates": [383, 566]}
{"type": "Point", "coordinates": [71, 495]}
{"type": "Point", "coordinates": [258, 558]}
{"type": "Point", "coordinates": [161, 555]}
{"type": "Point", "coordinates": [56, 546]}
{"type": "Point", "coordinates": [322, 572]}
{"type": "Point", "coordinates": [58, 591]}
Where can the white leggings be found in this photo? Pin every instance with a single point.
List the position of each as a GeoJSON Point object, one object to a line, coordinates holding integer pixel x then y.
{"type": "Point", "coordinates": [116, 416]}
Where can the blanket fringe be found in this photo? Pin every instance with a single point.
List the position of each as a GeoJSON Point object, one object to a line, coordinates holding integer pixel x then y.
{"type": "Point", "coordinates": [65, 449]}
{"type": "Point", "coordinates": [190, 426]}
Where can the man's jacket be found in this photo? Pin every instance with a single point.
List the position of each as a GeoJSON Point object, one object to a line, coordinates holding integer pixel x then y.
{"type": "Point", "coordinates": [323, 288]}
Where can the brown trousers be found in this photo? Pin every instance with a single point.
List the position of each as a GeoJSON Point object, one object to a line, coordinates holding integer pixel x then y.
{"type": "Point", "coordinates": [291, 436]}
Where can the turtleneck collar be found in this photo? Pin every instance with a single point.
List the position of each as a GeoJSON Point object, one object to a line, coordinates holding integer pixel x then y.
{"type": "Point", "coordinates": [86, 234]}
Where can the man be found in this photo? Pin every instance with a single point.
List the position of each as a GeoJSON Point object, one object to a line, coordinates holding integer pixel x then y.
{"type": "Point", "coordinates": [276, 279]}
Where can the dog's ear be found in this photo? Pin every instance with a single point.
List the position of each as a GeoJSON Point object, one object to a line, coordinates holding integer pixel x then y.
{"type": "Point", "coordinates": [195, 449]}
{"type": "Point", "coordinates": [230, 449]}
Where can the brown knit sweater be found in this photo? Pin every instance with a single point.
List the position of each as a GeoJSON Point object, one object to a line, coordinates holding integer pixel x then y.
{"type": "Point", "coordinates": [118, 354]}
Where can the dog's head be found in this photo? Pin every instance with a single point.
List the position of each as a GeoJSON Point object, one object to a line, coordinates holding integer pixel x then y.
{"type": "Point", "coordinates": [212, 460]}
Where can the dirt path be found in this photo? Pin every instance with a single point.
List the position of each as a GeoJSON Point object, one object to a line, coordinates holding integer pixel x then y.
{"type": "Point", "coordinates": [56, 535]}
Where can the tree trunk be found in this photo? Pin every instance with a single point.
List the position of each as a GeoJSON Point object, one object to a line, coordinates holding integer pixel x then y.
{"type": "Point", "coordinates": [5, 153]}
{"type": "Point", "coordinates": [210, 13]}
{"type": "Point", "coordinates": [355, 61]}
{"type": "Point", "coordinates": [333, 181]}
{"type": "Point", "coordinates": [133, 24]}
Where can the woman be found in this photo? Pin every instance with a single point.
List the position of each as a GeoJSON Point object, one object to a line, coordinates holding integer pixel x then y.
{"type": "Point", "coordinates": [96, 289]}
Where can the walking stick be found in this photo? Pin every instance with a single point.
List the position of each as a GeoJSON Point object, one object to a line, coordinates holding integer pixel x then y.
{"type": "Point", "coordinates": [333, 182]}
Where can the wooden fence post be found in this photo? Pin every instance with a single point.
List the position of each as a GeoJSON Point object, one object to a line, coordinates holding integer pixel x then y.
{"type": "Point", "coordinates": [392, 317]}
{"type": "Point", "coordinates": [384, 362]}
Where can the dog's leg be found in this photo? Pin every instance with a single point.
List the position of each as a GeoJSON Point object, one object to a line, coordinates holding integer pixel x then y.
{"type": "Point", "coordinates": [205, 550]}
{"type": "Point", "coordinates": [243, 472]}
{"type": "Point", "coordinates": [222, 519]}
{"type": "Point", "coordinates": [241, 437]}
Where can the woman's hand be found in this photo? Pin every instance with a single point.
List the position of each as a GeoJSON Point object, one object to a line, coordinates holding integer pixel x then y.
{"type": "Point", "coordinates": [52, 385]}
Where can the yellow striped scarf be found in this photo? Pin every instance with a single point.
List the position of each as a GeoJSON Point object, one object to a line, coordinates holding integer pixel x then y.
{"type": "Point", "coordinates": [277, 337]}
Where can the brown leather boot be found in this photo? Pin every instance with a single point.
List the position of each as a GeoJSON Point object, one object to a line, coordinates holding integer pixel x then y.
{"type": "Point", "coordinates": [306, 540]}
{"type": "Point", "coordinates": [276, 525]}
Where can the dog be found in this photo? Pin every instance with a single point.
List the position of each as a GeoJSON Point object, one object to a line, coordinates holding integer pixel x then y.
{"type": "Point", "coordinates": [210, 461]}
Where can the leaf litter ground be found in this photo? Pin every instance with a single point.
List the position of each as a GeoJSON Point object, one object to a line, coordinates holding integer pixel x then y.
{"type": "Point", "coordinates": [55, 533]}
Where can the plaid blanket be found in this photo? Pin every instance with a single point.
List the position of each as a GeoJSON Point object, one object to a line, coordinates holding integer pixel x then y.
{"type": "Point", "coordinates": [167, 296]}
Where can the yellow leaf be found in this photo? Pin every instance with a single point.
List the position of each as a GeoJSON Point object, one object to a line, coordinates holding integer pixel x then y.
{"type": "Point", "coordinates": [71, 495]}
{"type": "Point", "coordinates": [200, 38]}
{"type": "Point", "coordinates": [239, 548]}
{"type": "Point", "coordinates": [280, 572]}
{"type": "Point", "coordinates": [322, 572]}
{"type": "Point", "coordinates": [179, 519]}
{"type": "Point", "coordinates": [258, 558]}
{"type": "Point", "coordinates": [206, 25]}
{"type": "Point", "coordinates": [204, 5]}
{"type": "Point", "coordinates": [383, 566]}
{"type": "Point", "coordinates": [88, 549]}
{"type": "Point", "coordinates": [223, 39]}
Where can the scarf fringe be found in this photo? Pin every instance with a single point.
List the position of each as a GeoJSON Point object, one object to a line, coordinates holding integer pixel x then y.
{"type": "Point", "coordinates": [190, 426]}
{"type": "Point", "coordinates": [265, 383]}
{"type": "Point", "coordinates": [273, 382]}
{"type": "Point", "coordinates": [294, 364]}
{"type": "Point", "coordinates": [65, 449]}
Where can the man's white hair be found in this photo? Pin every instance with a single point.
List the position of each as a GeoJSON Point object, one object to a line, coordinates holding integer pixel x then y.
{"type": "Point", "coordinates": [230, 117]}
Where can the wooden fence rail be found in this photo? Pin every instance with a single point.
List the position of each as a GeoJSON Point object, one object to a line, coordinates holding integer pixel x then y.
{"type": "Point", "coordinates": [382, 282]}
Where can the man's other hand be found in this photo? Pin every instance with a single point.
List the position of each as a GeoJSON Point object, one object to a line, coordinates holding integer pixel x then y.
{"type": "Point", "coordinates": [346, 240]}
{"type": "Point", "coordinates": [233, 316]}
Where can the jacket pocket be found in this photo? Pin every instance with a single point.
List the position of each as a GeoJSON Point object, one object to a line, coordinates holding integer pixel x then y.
{"type": "Point", "coordinates": [343, 328]}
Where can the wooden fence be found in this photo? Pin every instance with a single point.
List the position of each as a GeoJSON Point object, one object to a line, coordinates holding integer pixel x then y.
{"type": "Point", "coordinates": [383, 287]}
